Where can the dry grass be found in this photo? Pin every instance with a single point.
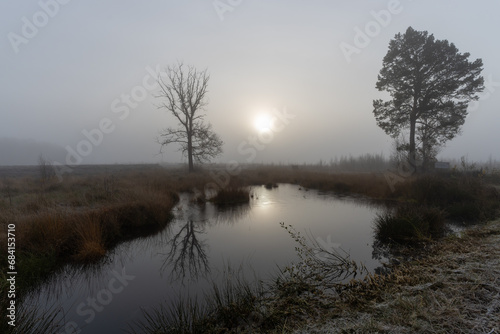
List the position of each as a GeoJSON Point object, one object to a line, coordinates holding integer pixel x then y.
{"type": "Point", "coordinates": [84, 216]}
{"type": "Point", "coordinates": [90, 237]}
{"type": "Point", "coordinates": [128, 200]}
{"type": "Point", "coordinates": [373, 185]}
{"type": "Point", "coordinates": [231, 195]}
{"type": "Point", "coordinates": [454, 289]}
{"type": "Point", "coordinates": [409, 223]}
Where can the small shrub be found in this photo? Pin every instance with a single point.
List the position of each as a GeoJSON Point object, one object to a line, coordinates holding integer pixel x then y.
{"type": "Point", "coordinates": [464, 198]}
{"type": "Point", "coordinates": [231, 195]}
{"type": "Point", "coordinates": [271, 185]}
{"type": "Point", "coordinates": [341, 187]}
{"type": "Point", "coordinates": [464, 212]}
{"type": "Point", "coordinates": [409, 223]}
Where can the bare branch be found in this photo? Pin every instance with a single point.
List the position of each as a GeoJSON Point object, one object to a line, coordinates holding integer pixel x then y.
{"type": "Point", "coordinates": [184, 91]}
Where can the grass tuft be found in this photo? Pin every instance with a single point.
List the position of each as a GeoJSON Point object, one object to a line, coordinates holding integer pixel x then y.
{"type": "Point", "coordinates": [227, 308]}
{"type": "Point", "coordinates": [90, 236]}
{"type": "Point", "coordinates": [409, 223]}
{"type": "Point", "coordinates": [231, 195]}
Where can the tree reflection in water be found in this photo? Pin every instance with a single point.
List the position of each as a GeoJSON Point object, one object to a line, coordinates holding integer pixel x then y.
{"type": "Point", "coordinates": [187, 252]}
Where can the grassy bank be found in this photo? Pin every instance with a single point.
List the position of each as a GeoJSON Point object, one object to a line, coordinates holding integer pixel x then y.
{"type": "Point", "coordinates": [453, 288]}
{"type": "Point", "coordinates": [425, 202]}
{"type": "Point", "coordinates": [77, 221]}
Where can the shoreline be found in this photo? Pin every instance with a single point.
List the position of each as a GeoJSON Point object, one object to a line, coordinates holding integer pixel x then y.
{"type": "Point", "coordinates": [454, 289]}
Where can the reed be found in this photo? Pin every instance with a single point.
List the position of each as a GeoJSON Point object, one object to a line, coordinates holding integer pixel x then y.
{"type": "Point", "coordinates": [229, 307]}
{"type": "Point", "coordinates": [464, 198]}
{"type": "Point", "coordinates": [231, 195]}
{"type": "Point", "coordinates": [89, 233]}
{"type": "Point", "coordinates": [409, 223]}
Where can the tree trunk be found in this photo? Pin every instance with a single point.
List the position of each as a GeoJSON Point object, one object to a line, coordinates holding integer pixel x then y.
{"type": "Point", "coordinates": [190, 154]}
{"type": "Point", "coordinates": [190, 147]}
{"type": "Point", "coordinates": [412, 152]}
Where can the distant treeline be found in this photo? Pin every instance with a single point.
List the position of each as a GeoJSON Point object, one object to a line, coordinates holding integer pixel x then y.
{"type": "Point", "coordinates": [378, 162]}
{"type": "Point", "coordinates": [363, 163]}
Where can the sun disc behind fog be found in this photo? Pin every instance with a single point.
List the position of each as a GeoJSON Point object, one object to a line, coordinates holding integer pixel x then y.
{"type": "Point", "coordinates": [263, 123]}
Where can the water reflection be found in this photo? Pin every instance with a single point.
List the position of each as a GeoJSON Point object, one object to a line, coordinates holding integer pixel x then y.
{"type": "Point", "coordinates": [231, 214]}
{"type": "Point", "coordinates": [187, 258]}
{"type": "Point", "coordinates": [195, 248]}
{"type": "Point", "coordinates": [187, 252]}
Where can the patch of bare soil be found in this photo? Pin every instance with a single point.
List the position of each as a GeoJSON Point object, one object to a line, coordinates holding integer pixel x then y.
{"type": "Point", "coordinates": [453, 289]}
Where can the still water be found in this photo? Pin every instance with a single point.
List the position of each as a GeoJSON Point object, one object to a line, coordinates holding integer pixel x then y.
{"type": "Point", "coordinates": [195, 249]}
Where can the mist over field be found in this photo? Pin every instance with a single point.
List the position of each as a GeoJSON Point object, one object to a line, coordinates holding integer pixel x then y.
{"type": "Point", "coordinates": [237, 166]}
{"type": "Point", "coordinates": [79, 79]}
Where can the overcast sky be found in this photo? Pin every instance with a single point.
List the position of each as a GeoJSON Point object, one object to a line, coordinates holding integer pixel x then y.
{"type": "Point", "coordinates": [75, 66]}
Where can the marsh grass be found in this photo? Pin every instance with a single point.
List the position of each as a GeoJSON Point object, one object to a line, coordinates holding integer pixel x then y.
{"type": "Point", "coordinates": [464, 198]}
{"type": "Point", "coordinates": [77, 221]}
{"type": "Point", "coordinates": [30, 319]}
{"type": "Point", "coordinates": [121, 205]}
{"type": "Point", "coordinates": [231, 195]}
{"type": "Point", "coordinates": [270, 185]}
{"type": "Point", "coordinates": [409, 223]}
{"type": "Point", "coordinates": [372, 185]}
{"type": "Point", "coordinates": [34, 320]}
{"type": "Point", "coordinates": [86, 215]}
{"type": "Point", "coordinates": [90, 236]}
{"type": "Point", "coordinates": [230, 306]}
{"type": "Point", "coordinates": [453, 288]}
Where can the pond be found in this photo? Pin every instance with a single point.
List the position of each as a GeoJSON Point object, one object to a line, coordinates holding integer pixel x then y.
{"type": "Point", "coordinates": [197, 247]}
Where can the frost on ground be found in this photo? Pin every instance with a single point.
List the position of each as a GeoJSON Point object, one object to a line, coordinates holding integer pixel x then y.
{"type": "Point", "coordinates": [453, 289]}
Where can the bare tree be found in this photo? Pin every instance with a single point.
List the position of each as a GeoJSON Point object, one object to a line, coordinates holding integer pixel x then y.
{"type": "Point", "coordinates": [184, 90]}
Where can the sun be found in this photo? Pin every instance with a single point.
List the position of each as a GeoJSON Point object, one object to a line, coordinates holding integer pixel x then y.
{"type": "Point", "coordinates": [263, 123]}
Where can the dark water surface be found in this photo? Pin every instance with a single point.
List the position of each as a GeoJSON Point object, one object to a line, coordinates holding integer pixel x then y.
{"type": "Point", "coordinates": [196, 248]}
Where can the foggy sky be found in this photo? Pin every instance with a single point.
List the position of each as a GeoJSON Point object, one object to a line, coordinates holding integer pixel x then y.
{"type": "Point", "coordinates": [70, 67]}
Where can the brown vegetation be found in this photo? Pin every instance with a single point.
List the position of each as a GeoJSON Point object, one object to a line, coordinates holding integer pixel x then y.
{"type": "Point", "coordinates": [231, 195]}
{"type": "Point", "coordinates": [454, 288]}
{"type": "Point", "coordinates": [106, 208]}
{"type": "Point", "coordinates": [83, 217]}
{"type": "Point", "coordinates": [373, 185]}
